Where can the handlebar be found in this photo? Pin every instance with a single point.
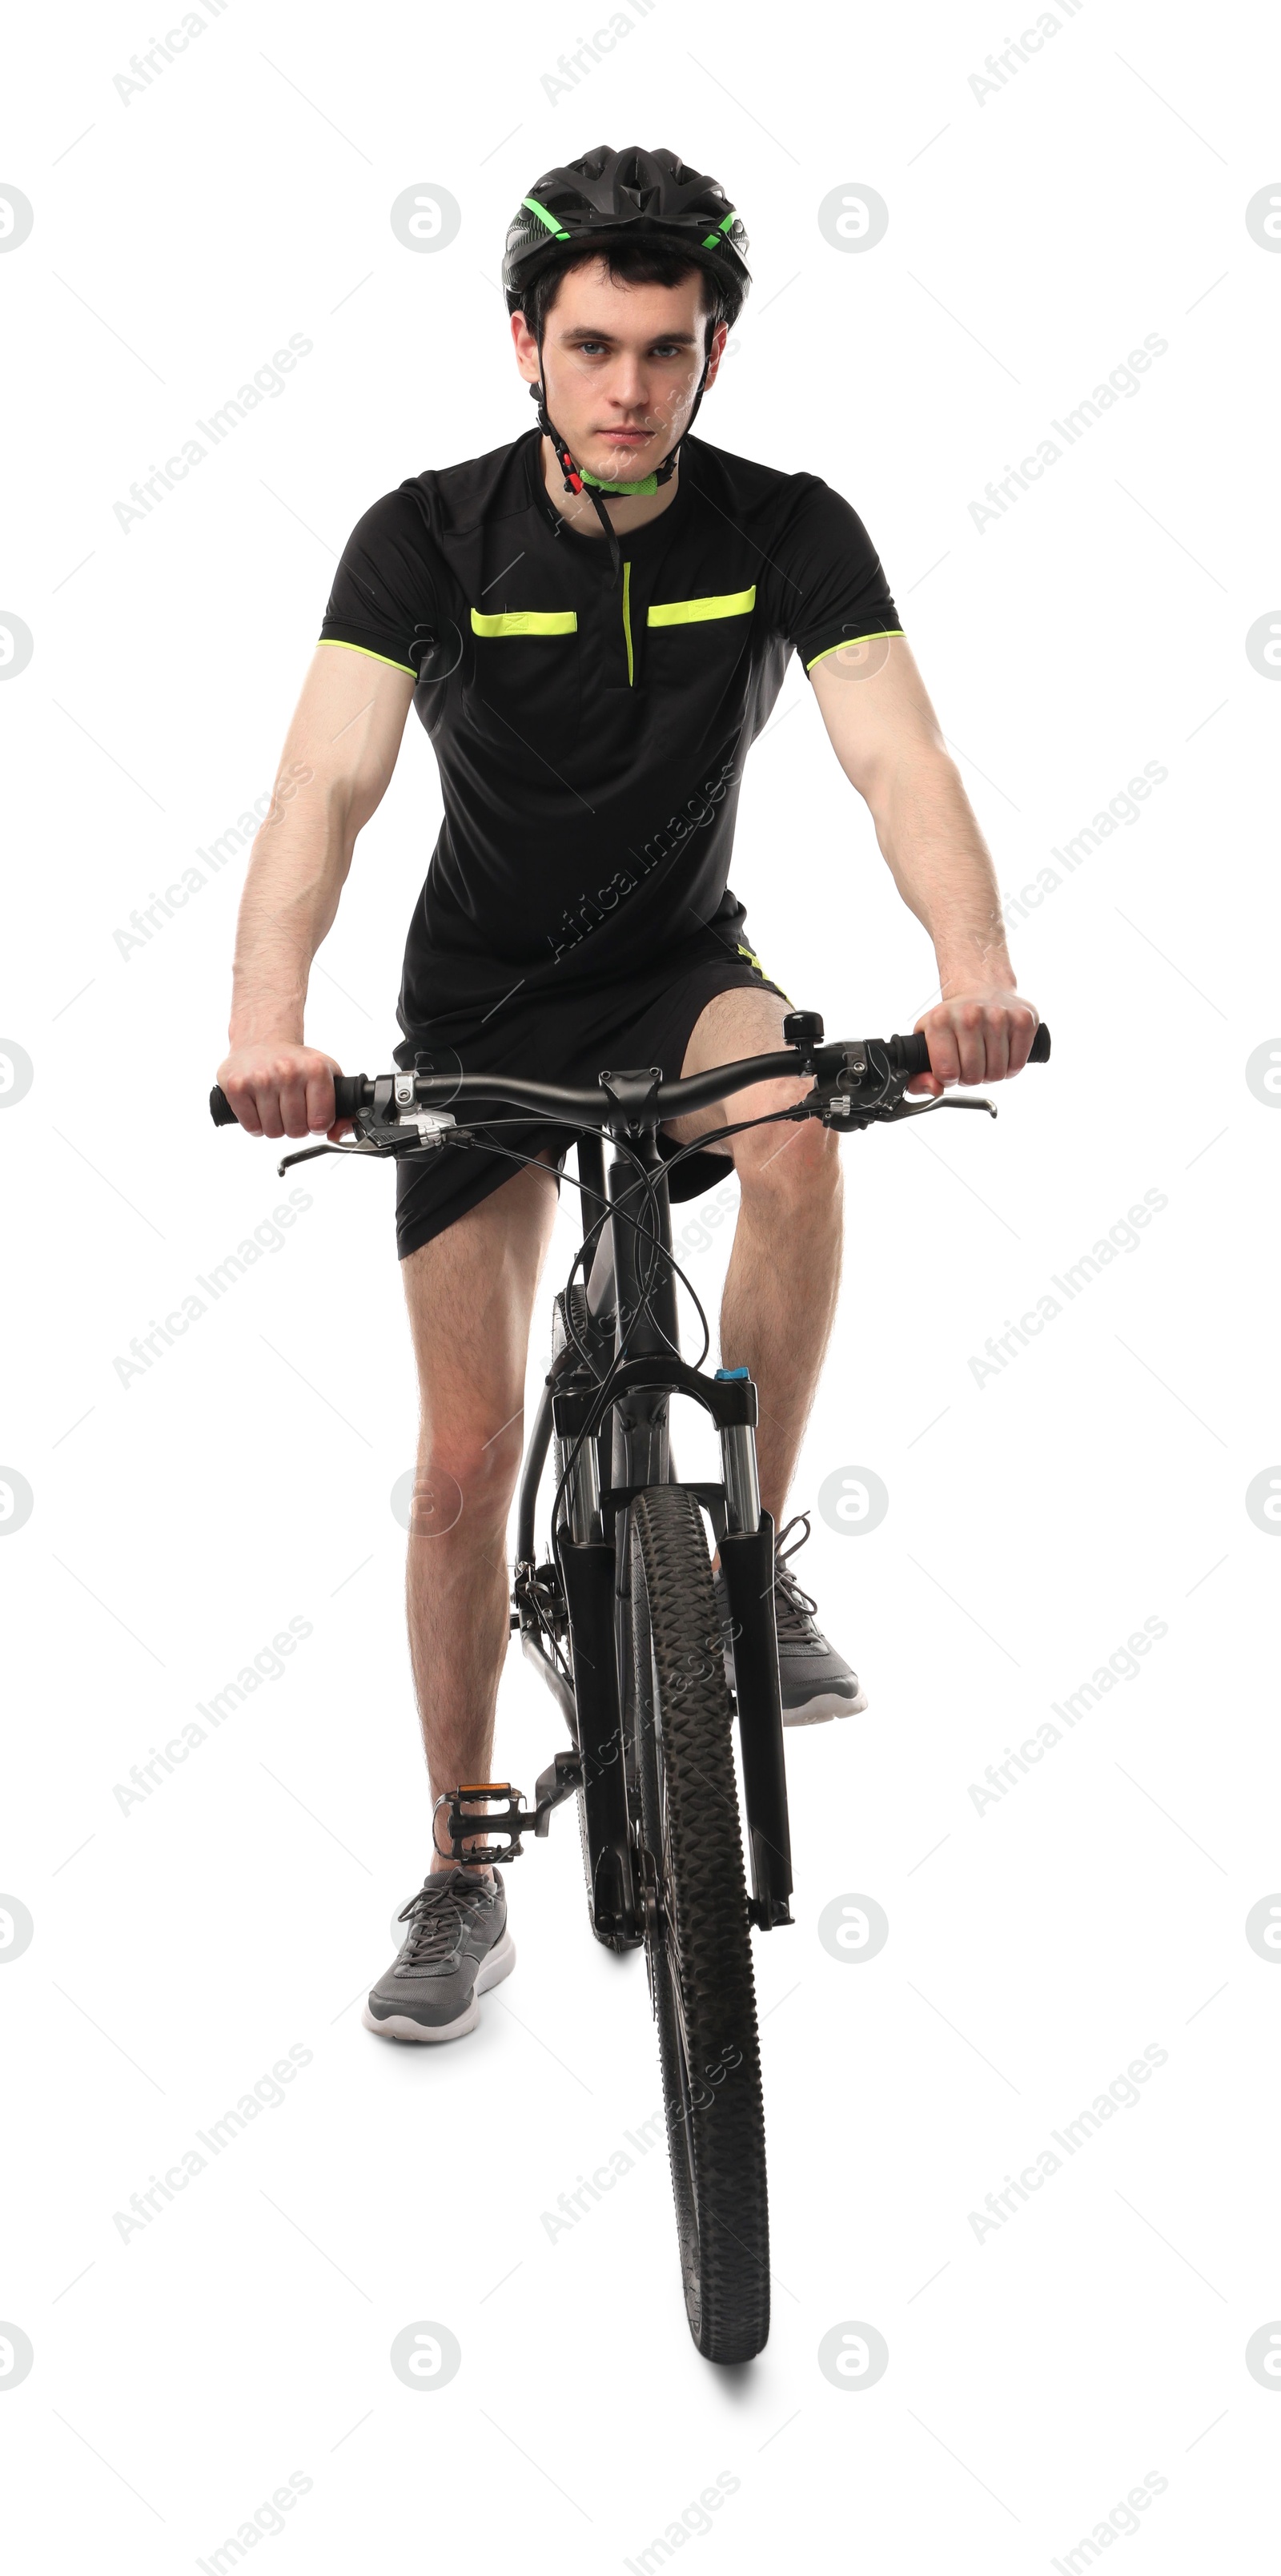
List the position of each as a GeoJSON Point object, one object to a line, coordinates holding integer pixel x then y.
{"type": "Point", "coordinates": [354, 1092]}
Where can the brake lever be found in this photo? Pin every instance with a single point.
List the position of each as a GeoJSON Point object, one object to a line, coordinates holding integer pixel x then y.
{"type": "Point", "coordinates": [387, 1142]}
{"type": "Point", "coordinates": [922, 1108]}
{"type": "Point", "coordinates": [844, 1111]}
{"type": "Point", "coordinates": [309, 1153]}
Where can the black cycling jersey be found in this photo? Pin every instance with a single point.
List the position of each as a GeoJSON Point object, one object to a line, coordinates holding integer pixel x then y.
{"type": "Point", "coordinates": [590, 732]}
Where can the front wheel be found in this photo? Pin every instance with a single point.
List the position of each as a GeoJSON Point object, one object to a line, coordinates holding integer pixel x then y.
{"type": "Point", "coordinates": [698, 1939]}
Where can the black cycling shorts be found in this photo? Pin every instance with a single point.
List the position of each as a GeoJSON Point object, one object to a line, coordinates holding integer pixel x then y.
{"type": "Point", "coordinates": [647, 1019]}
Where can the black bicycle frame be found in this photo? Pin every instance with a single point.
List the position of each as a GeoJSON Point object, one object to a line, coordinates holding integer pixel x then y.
{"type": "Point", "coordinates": [632, 1322]}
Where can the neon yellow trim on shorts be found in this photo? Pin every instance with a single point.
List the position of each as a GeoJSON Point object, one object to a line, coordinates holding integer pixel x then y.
{"type": "Point", "coordinates": [754, 960]}
{"type": "Point", "coordinates": [336, 644]}
{"type": "Point", "coordinates": [526, 621]}
{"type": "Point", "coordinates": [872, 638]}
{"type": "Point", "coordinates": [691, 612]}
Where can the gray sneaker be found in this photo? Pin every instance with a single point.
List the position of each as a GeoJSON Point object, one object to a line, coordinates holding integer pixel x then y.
{"type": "Point", "coordinates": [814, 1681]}
{"type": "Point", "coordinates": [456, 1947]}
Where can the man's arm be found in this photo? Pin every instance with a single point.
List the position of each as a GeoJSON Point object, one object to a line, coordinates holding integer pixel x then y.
{"type": "Point", "coordinates": [887, 739]}
{"type": "Point", "coordinates": [338, 758]}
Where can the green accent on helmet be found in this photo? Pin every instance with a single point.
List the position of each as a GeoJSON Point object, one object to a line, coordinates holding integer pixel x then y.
{"type": "Point", "coordinates": [713, 240]}
{"type": "Point", "coordinates": [553, 225]}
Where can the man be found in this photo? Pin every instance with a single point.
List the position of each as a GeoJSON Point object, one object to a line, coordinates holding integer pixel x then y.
{"type": "Point", "coordinates": [593, 623]}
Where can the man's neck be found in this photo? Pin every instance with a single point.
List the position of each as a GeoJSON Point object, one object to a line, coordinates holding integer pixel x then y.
{"type": "Point", "coordinates": [632, 511]}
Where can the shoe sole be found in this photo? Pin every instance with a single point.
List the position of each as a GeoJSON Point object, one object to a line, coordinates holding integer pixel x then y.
{"type": "Point", "coordinates": [499, 1964]}
{"type": "Point", "coordinates": [827, 1704]}
{"type": "Point", "coordinates": [814, 1711]}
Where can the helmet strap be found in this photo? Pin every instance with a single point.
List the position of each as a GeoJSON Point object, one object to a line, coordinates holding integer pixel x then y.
{"type": "Point", "coordinates": [579, 482]}
{"type": "Point", "coordinates": [573, 480]}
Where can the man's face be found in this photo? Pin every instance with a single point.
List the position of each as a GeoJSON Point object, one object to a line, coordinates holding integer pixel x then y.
{"type": "Point", "coordinates": [621, 367]}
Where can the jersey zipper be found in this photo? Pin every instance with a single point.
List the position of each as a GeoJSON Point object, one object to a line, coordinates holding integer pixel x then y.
{"type": "Point", "coordinates": [627, 616]}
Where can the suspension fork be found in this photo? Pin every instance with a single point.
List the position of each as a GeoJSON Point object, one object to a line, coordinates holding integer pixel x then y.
{"type": "Point", "coordinates": [747, 1563]}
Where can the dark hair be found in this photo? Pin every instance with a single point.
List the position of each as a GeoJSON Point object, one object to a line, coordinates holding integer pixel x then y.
{"type": "Point", "coordinates": [637, 264]}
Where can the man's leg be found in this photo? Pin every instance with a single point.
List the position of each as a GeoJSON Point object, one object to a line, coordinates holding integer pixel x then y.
{"type": "Point", "coordinates": [470, 1292]}
{"type": "Point", "coordinates": [784, 1271]}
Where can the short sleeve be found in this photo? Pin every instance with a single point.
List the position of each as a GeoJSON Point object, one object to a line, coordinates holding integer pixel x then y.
{"type": "Point", "coordinates": [830, 587]}
{"type": "Point", "coordinates": [385, 596]}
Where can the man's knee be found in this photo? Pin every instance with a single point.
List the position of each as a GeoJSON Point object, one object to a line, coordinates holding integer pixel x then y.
{"type": "Point", "coordinates": [466, 1472]}
{"type": "Point", "coordinates": [795, 1169]}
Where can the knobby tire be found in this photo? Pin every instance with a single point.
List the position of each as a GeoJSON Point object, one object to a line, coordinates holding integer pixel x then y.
{"type": "Point", "coordinates": [698, 1950]}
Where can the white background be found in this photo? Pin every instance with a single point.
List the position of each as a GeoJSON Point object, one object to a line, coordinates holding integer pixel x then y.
{"type": "Point", "coordinates": [1035, 1520]}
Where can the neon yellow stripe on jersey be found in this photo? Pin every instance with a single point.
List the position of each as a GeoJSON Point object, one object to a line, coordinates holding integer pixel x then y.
{"type": "Point", "coordinates": [691, 612]}
{"type": "Point", "coordinates": [627, 617]}
{"type": "Point", "coordinates": [526, 621]}
{"type": "Point", "coordinates": [874, 637]}
{"type": "Point", "coordinates": [335, 643]}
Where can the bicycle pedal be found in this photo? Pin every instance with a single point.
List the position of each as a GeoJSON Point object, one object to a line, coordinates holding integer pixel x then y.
{"type": "Point", "coordinates": [461, 1828]}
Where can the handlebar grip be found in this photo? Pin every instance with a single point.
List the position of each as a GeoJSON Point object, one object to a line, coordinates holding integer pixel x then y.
{"type": "Point", "coordinates": [908, 1055]}
{"type": "Point", "coordinates": [912, 1055]}
{"type": "Point", "coordinates": [347, 1091]}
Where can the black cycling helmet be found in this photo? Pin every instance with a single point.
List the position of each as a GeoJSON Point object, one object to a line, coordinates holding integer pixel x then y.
{"type": "Point", "coordinates": [644, 197]}
{"type": "Point", "coordinates": [652, 196]}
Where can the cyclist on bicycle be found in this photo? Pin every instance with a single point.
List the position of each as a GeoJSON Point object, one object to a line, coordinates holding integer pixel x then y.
{"type": "Point", "coordinates": [593, 623]}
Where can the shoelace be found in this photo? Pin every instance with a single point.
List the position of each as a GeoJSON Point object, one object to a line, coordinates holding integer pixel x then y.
{"type": "Point", "coordinates": [436, 1915]}
{"type": "Point", "coordinates": [793, 1609]}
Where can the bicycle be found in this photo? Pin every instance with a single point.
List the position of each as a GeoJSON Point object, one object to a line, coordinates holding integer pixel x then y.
{"type": "Point", "coordinates": [621, 1618]}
